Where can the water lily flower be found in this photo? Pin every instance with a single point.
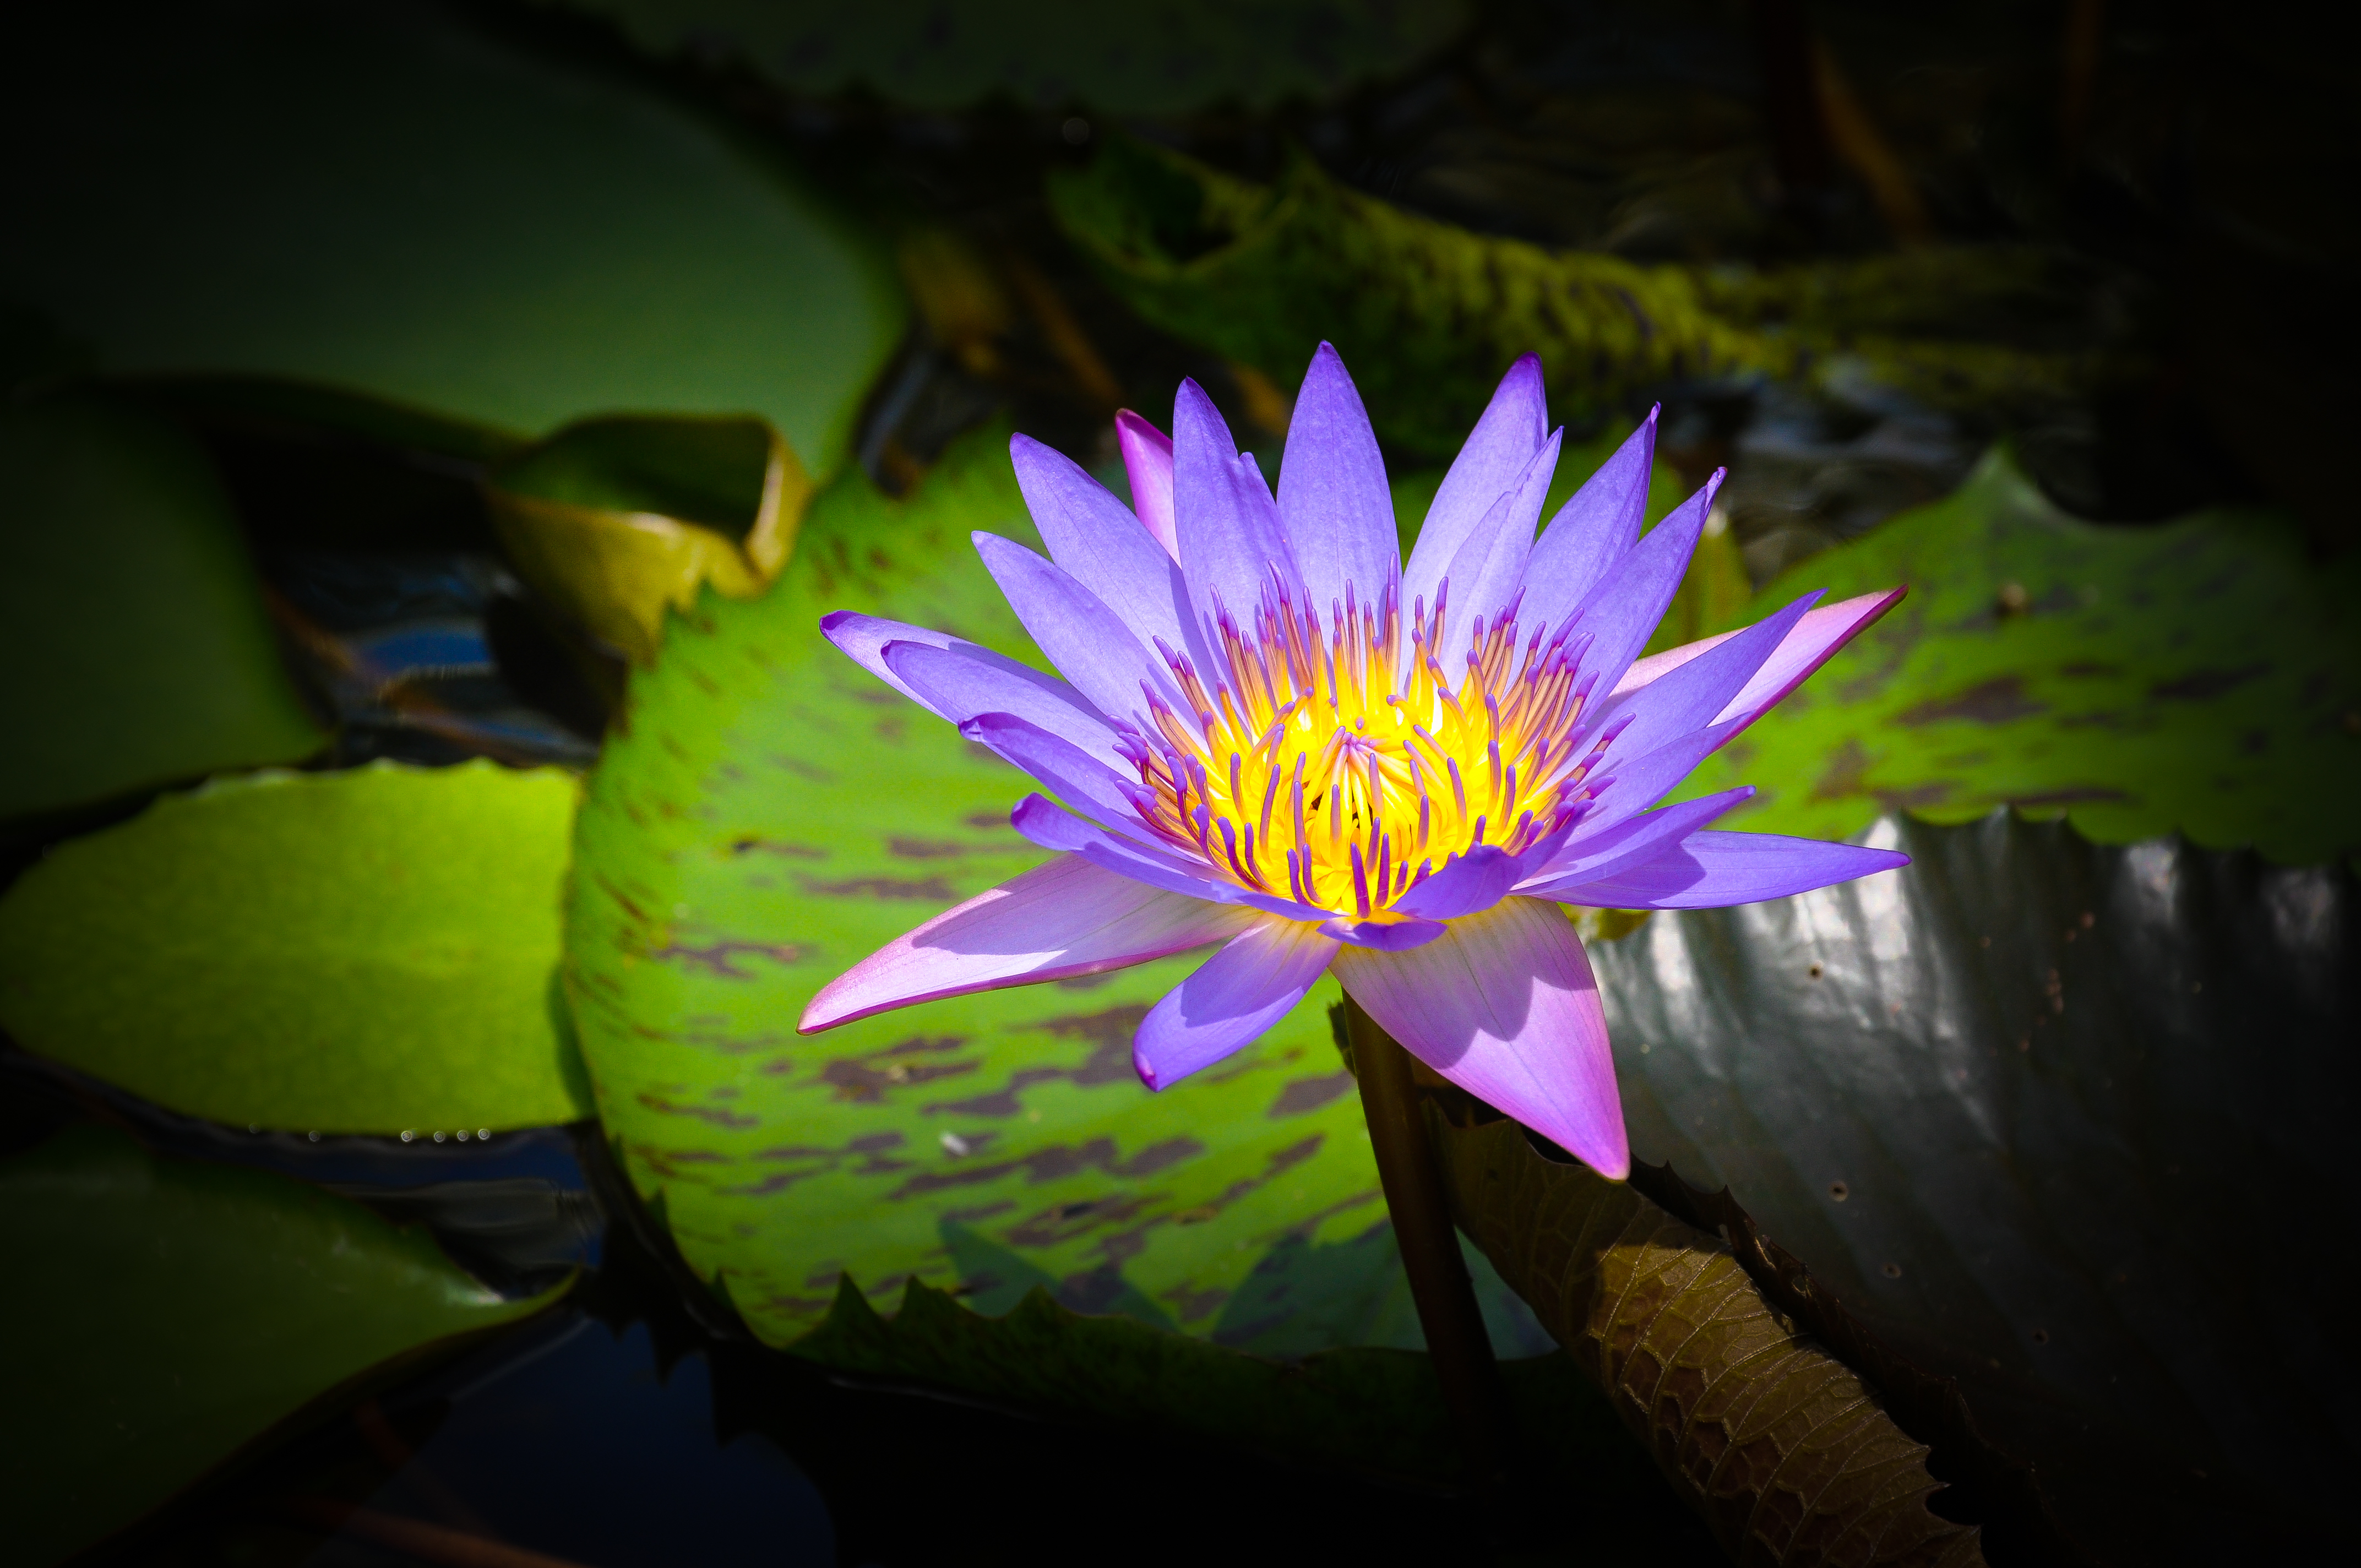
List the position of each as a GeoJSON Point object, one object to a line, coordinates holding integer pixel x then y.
{"type": "Point", "coordinates": [1276, 735]}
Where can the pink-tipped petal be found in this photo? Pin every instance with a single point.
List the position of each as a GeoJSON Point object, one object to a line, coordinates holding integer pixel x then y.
{"type": "Point", "coordinates": [1821, 632]}
{"type": "Point", "coordinates": [961, 681]}
{"type": "Point", "coordinates": [1148, 463]}
{"type": "Point", "coordinates": [1091, 647]}
{"type": "Point", "coordinates": [1485, 573]}
{"type": "Point", "coordinates": [1227, 1004]}
{"type": "Point", "coordinates": [1623, 608]}
{"type": "Point", "coordinates": [1093, 536]}
{"type": "Point", "coordinates": [1086, 782]}
{"type": "Point", "coordinates": [1332, 497]}
{"type": "Point", "coordinates": [1505, 1007]}
{"type": "Point", "coordinates": [1228, 524]}
{"type": "Point", "coordinates": [1711, 869]}
{"type": "Point", "coordinates": [1631, 842]}
{"type": "Point", "coordinates": [1597, 524]}
{"type": "Point", "coordinates": [1495, 452]}
{"type": "Point", "coordinates": [1815, 638]}
{"type": "Point", "coordinates": [1689, 697]}
{"type": "Point", "coordinates": [1059, 920]}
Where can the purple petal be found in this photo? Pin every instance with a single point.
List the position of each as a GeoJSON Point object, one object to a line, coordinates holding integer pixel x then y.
{"type": "Point", "coordinates": [1148, 461]}
{"type": "Point", "coordinates": [1631, 784]}
{"type": "Point", "coordinates": [1495, 453]}
{"type": "Point", "coordinates": [1807, 648]}
{"type": "Point", "coordinates": [1060, 765]}
{"type": "Point", "coordinates": [1052, 827]}
{"type": "Point", "coordinates": [1229, 527]}
{"type": "Point", "coordinates": [1592, 531]}
{"type": "Point", "coordinates": [1485, 573]}
{"type": "Point", "coordinates": [963, 680]}
{"type": "Point", "coordinates": [1103, 546]}
{"type": "Point", "coordinates": [1332, 497]}
{"type": "Point", "coordinates": [1239, 992]}
{"type": "Point", "coordinates": [1102, 658]}
{"type": "Point", "coordinates": [1504, 1007]}
{"type": "Point", "coordinates": [864, 638]}
{"type": "Point", "coordinates": [1629, 842]}
{"type": "Point", "coordinates": [1690, 696]}
{"type": "Point", "coordinates": [1471, 883]}
{"type": "Point", "coordinates": [1059, 920]}
{"type": "Point", "coordinates": [1710, 870]}
{"type": "Point", "coordinates": [1821, 634]}
{"type": "Point", "coordinates": [1622, 609]}
{"type": "Point", "coordinates": [1385, 936]}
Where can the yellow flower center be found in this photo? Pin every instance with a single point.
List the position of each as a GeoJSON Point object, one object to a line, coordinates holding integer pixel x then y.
{"type": "Point", "coordinates": [1326, 767]}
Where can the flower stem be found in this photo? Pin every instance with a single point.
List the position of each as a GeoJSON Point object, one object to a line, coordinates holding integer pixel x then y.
{"type": "Point", "coordinates": [1456, 1339]}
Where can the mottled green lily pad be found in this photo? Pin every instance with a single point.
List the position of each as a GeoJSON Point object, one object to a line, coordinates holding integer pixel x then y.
{"type": "Point", "coordinates": [398, 200]}
{"type": "Point", "coordinates": [370, 951]}
{"type": "Point", "coordinates": [1165, 57]}
{"type": "Point", "coordinates": [2202, 676]}
{"type": "Point", "coordinates": [132, 626]}
{"type": "Point", "coordinates": [766, 815]}
{"type": "Point", "coordinates": [162, 1313]}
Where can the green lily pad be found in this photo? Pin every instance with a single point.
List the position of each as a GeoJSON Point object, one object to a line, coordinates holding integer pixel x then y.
{"type": "Point", "coordinates": [2203, 677]}
{"type": "Point", "coordinates": [362, 952]}
{"type": "Point", "coordinates": [132, 625]}
{"type": "Point", "coordinates": [2066, 1122]}
{"type": "Point", "coordinates": [163, 1314]}
{"type": "Point", "coordinates": [766, 815]}
{"type": "Point", "coordinates": [1168, 57]}
{"type": "Point", "coordinates": [392, 199]}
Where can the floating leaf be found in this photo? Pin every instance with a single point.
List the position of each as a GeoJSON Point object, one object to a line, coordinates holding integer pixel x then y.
{"type": "Point", "coordinates": [767, 814]}
{"type": "Point", "coordinates": [1429, 315]}
{"type": "Point", "coordinates": [617, 520]}
{"type": "Point", "coordinates": [2202, 676]}
{"type": "Point", "coordinates": [1168, 57]}
{"type": "Point", "coordinates": [132, 625]}
{"type": "Point", "coordinates": [2061, 1121]}
{"type": "Point", "coordinates": [368, 951]}
{"type": "Point", "coordinates": [394, 200]}
{"type": "Point", "coordinates": [164, 1313]}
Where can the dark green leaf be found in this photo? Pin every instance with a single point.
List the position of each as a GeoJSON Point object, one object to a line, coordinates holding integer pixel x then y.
{"type": "Point", "coordinates": [2065, 1121]}
{"type": "Point", "coordinates": [161, 1313]}
{"type": "Point", "coordinates": [2202, 676]}
{"type": "Point", "coordinates": [388, 199]}
{"type": "Point", "coordinates": [367, 952]}
{"type": "Point", "coordinates": [131, 627]}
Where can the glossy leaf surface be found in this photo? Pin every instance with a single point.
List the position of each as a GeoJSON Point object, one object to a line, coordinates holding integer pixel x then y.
{"type": "Point", "coordinates": [162, 1313]}
{"type": "Point", "coordinates": [2202, 676]}
{"type": "Point", "coordinates": [132, 625]}
{"type": "Point", "coordinates": [767, 814]}
{"type": "Point", "coordinates": [2062, 1121]}
{"type": "Point", "coordinates": [365, 952]}
{"type": "Point", "coordinates": [396, 200]}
